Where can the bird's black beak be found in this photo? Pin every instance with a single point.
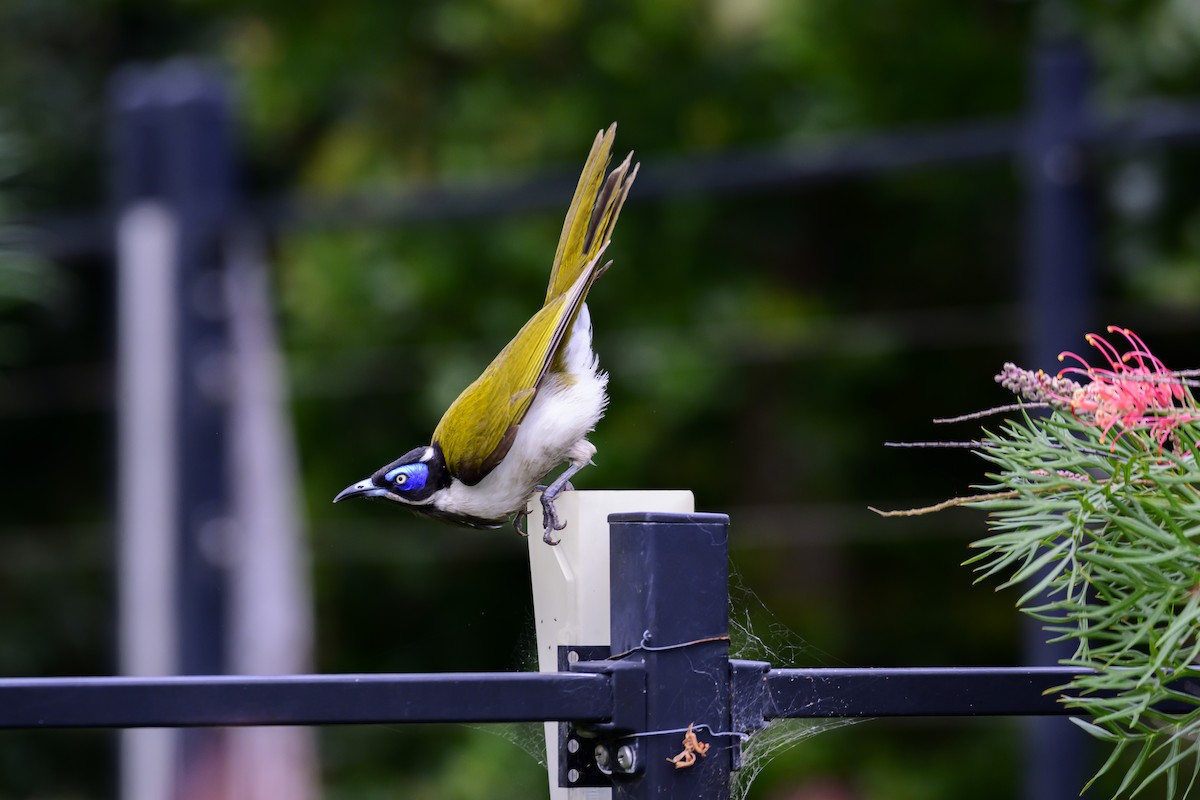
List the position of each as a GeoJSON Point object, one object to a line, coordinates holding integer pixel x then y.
{"type": "Point", "coordinates": [364, 488]}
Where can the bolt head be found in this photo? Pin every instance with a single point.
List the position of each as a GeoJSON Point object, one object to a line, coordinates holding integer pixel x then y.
{"type": "Point", "coordinates": [626, 758]}
{"type": "Point", "coordinates": [603, 758]}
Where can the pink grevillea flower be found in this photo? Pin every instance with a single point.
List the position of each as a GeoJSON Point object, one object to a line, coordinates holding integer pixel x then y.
{"type": "Point", "coordinates": [1135, 390]}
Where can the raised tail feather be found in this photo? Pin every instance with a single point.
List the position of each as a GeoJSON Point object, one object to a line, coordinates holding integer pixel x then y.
{"type": "Point", "coordinates": [593, 213]}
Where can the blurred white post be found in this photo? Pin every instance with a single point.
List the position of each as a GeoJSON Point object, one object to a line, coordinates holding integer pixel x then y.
{"type": "Point", "coordinates": [147, 365]}
{"type": "Point", "coordinates": [570, 586]}
{"type": "Point", "coordinates": [270, 613]}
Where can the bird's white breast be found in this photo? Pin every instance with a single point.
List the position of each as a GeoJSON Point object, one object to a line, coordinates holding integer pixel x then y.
{"type": "Point", "coordinates": [565, 410]}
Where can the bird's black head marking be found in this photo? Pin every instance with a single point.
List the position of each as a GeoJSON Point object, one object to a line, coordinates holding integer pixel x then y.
{"type": "Point", "coordinates": [412, 479]}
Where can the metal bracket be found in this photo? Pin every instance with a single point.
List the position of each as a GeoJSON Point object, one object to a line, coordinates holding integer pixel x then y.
{"type": "Point", "coordinates": [593, 754]}
{"type": "Point", "coordinates": [577, 763]}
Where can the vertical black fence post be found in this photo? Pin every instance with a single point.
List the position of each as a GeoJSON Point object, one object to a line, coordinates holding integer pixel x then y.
{"type": "Point", "coordinates": [1058, 288]}
{"type": "Point", "coordinates": [199, 160]}
{"type": "Point", "coordinates": [174, 146]}
{"type": "Point", "coordinates": [670, 613]}
{"type": "Point", "coordinates": [1059, 275]}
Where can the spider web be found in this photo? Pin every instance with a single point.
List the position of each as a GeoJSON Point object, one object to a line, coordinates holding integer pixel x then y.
{"type": "Point", "coordinates": [756, 634]}
{"type": "Point", "coordinates": [527, 736]}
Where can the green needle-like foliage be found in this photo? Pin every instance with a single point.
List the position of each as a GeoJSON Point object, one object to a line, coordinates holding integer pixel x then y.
{"type": "Point", "coordinates": [1094, 514]}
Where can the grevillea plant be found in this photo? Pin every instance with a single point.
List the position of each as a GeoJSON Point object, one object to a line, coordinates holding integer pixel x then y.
{"type": "Point", "coordinates": [1094, 514]}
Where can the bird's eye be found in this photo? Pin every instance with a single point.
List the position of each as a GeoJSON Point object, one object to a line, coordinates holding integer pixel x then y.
{"type": "Point", "coordinates": [408, 477]}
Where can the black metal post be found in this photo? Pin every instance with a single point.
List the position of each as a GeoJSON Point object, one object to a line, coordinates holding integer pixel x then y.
{"type": "Point", "coordinates": [1058, 290]}
{"type": "Point", "coordinates": [174, 144]}
{"type": "Point", "coordinates": [1059, 278]}
{"type": "Point", "coordinates": [670, 615]}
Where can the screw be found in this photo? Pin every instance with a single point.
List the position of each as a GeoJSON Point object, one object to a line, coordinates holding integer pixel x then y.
{"type": "Point", "coordinates": [572, 745]}
{"type": "Point", "coordinates": [603, 759]}
{"type": "Point", "coordinates": [626, 758]}
{"type": "Point", "coordinates": [573, 776]}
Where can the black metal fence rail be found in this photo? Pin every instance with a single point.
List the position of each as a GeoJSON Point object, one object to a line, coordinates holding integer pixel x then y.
{"type": "Point", "coordinates": [226, 700]}
{"type": "Point", "coordinates": [207, 700]}
{"type": "Point", "coordinates": [918, 691]}
{"type": "Point", "coordinates": [88, 233]}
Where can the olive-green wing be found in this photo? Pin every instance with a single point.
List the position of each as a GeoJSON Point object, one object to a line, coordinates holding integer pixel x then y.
{"type": "Point", "coordinates": [478, 429]}
{"type": "Point", "coordinates": [592, 214]}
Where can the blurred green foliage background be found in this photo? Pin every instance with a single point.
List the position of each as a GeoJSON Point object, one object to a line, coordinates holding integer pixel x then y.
{"type": "Point", "coordinates": [762, 344]}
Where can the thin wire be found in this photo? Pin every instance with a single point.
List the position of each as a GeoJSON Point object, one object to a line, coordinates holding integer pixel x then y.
{"type": "Point", "coordinates": [695, 726]}
{"type": "Point", "coordinates": [647, 637]}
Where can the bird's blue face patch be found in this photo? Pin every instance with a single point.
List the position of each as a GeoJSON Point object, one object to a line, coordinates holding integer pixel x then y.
{"type": "Point", "coordinates": [408, 477]}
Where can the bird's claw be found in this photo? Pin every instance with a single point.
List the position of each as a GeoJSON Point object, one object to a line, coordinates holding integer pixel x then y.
{"type": "Point", "coordinates": [551, 521]}
{"type": "Point", "coordinates": [550, 516]}
{"type": "Point", "coordinates": [549, 513]}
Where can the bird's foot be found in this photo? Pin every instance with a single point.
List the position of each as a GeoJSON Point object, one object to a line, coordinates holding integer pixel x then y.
{"type": "Point", "coordinates": [550, 520]}
{"type": "Point", "coordinates": [549, 495]}
{"type": "Point", "coordinates": [520, 521]}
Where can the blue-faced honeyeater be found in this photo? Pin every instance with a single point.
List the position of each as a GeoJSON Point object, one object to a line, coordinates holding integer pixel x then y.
{"type": "Point", "coordinates": [535, 404]}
